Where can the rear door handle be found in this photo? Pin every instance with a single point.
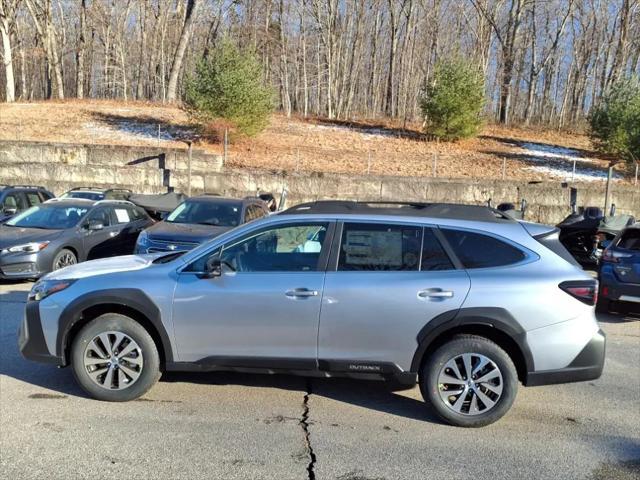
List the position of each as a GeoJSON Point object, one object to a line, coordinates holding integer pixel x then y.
{"type": "Point", "coordinates": [301, 293]}
{"type": "Point", "coordinates": [435, 294]}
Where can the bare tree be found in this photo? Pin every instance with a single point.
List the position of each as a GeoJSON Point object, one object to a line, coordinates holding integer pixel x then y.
{"type": "Point", "coordinates": [190, 13]}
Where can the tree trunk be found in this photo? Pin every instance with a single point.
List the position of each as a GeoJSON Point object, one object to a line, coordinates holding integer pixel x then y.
{"type": "Point", "coordinates": [81, 50]}
{"type": "Point", "coordinates": [10, 88]}
{"type": "Point", "coordinates": [172, 89]}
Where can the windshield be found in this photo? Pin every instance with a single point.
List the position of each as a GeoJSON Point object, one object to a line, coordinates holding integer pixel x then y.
{"type": "Point", "coordinates": [88, 195]}
{"type": "Point", "coordinates": [205, 213]}
{"type": "Point", "coordinates": [49, 217]}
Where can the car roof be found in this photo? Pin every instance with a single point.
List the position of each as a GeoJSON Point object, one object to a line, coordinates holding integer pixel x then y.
{"type": "Point", "coordinates": [449, 211]}
{"type": "Point", "coordinates": [22, 187]}
{"type": "Point", "coordinates": [84, 202]}
{"type": "Point", "coordinates": [212, 198]}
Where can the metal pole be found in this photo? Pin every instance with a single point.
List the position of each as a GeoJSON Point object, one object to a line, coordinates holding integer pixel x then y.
{"type": "Point", "coordinates": [504, 168]}
{"type": "Point", "coordinates": [189, 167]}
{"type": "Point", "coordinates": [435, 164]}
{"type": "Point", "coordinates": [636, 180]}
{"type": "Point", "coordinates": [158, 134]}
{"type": "Point", "coordinates": [608, 189]}
{"type": "Point", "coordinates": [226, 144]}
{"type": "Point", "coordinates": [573, 174]}
{"type": "Point", "coordinates": [369, 162]}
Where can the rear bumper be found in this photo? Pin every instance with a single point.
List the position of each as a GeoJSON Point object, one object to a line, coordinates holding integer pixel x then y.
{"type": "Point", "coordinates": [588, 365]}
{"type": "Point", "coordinates": [31, 341]}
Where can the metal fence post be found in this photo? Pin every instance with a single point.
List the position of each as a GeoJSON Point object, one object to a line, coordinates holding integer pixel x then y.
{"type": "Point", "coordinates": [504, 168]}
{"type": "Point", "coordinates": [573, 173]}
{"type": "Point", "coordinates": [435, 165]}
{"type": "Point", "coordinates": [368, 162]}
{"type": "Point", "coordinates": [190, 156]}
{"type": "Point", "coordinates": [226, 145]}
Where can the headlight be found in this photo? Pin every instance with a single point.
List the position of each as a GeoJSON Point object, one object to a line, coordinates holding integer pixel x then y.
{"type": "Point", "coordinates": [28, 247]}
{"type": "Point", "coordinates": [143, 238]}
{"type": "Point", "coordinates": [44, 288]}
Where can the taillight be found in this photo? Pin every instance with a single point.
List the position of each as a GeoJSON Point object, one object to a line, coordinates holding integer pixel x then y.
{"type": "Point", "coordinates": [584, 290]}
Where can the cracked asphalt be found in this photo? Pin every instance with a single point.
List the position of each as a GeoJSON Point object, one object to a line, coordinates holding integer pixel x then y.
{"type": "Point", "coordinates": [226, 425]}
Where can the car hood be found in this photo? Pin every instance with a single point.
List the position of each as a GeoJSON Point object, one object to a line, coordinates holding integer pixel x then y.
{"type": "Point", "coordinates": [127, 263]}
{"type": "Point", "coordinates": [184, 232]}
{"type": "Point", "coordinates": [11, 236]}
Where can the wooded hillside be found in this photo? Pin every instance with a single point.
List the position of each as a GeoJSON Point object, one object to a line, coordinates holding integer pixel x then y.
{"type": "Point", "coordinates": [545, 61]}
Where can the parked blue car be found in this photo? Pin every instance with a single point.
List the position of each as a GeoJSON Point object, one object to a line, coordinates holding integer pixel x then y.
{"type": "Point", "coordinates": [620, 270]}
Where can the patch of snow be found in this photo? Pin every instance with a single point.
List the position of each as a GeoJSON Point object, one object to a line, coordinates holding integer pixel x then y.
{"type": "Point", "coordinates": [126, 129]}
{"type": "Point", "coordinates": [557, 162]}
{"type": "Point", "coordinates": [581, 175]}
{"type": "Point", "coordinates": [541, 150]}
{"type": "Point", "coordinates": [365, 133]}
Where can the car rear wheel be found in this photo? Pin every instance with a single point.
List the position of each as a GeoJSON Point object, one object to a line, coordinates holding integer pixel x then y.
{"type": "Point", "coordinates": [115, 359]}
{"type": "Point", "coordinates": [64, 258]}
{"type": "Point", "coordinates": [469, 381]}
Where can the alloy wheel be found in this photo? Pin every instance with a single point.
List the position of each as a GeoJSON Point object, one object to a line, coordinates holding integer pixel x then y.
{"type": "Point", "coordinates": [470, 384]}
{"type": "Point", "coordinates": [65, 260]}
{"type": "Point", "coordinates": [113, 360]}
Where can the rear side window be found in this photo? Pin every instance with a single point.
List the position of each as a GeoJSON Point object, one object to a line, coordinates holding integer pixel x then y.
{"type": "Point", "coordinates": [630, 240]}
{"type": "Point", "coordinates": [552, 242]}
{"type": "Point", "coordinates": [481, 251]}
{"type": "Point", "coordinates": [433, 255]}
{"type": "Point", "coordinates": [379, 247]}
{"type": "Point", "coordinates": [33, 198]}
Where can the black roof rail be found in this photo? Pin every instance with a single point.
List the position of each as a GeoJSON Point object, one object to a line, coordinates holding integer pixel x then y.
{"type": "Point", "coordinates": [422, 209]}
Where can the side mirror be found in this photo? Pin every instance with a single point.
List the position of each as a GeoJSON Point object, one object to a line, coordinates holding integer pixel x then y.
{"type": "Point", "coordinates": [214, 267]}
{"type": "Point", "coordinates": [94, 226]}
{"type": "Point", "coordinates": [9, 211]}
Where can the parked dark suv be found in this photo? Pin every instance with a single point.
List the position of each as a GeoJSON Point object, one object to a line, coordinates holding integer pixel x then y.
{"type": "Point", "coordinates": [65, 231]}
{"type": "Point", "coordinates": [198, 220]}
{"type": "Point", "coordinates": [17, 198]}
{"type": "Point", "coordinates": [620, 270]}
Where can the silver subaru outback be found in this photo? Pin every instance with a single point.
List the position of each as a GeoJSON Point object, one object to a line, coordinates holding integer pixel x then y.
{"type": "Point", "coordinates": [463, 300]}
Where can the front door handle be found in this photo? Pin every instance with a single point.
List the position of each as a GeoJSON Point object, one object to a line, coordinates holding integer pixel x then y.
{"type": "Point", "coordinates": [114, 234]}
{"type": "Point", "coordinates": [435, 294]}
{"type": "Point", "coordinates": [301, 293]}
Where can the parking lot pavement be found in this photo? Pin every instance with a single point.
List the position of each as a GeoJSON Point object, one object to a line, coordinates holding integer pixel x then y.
{"type": "Point", "coordinates": [252, 426]}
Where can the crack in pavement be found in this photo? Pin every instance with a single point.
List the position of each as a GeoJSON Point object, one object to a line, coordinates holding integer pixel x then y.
{"type": "Point", "coordinates": [304, 423]}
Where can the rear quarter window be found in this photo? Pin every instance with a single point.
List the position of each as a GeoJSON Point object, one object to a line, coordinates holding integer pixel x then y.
{"type": "Point", "coordinates": [476, 250]}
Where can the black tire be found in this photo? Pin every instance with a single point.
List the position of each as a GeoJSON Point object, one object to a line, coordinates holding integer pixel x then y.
{"type": "Point", "coordinates": [603, 306]}
{"type": "Point", "coordinates": [66, 256]}
{"type": "Point", "coordinates": [149, 372]}
{"type": "Point", "coordinates": [465, 344]}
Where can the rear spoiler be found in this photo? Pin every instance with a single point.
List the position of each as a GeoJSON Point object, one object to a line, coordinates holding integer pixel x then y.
{"type": "Point", "coordinates": [537, 230]}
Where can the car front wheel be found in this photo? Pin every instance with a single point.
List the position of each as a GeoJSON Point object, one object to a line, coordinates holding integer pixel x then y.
{"type": "Point", "coordinates": [469, 381]}
{"type": "Point", "coordinates": [115, 359]}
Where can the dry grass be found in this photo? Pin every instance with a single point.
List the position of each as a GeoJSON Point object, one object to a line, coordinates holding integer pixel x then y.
{"type": "Point", "coordinates": [318, 145]}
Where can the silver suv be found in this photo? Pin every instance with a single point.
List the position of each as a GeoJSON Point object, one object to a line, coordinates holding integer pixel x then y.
{"type": "Point", "coordinates": [463, 300]}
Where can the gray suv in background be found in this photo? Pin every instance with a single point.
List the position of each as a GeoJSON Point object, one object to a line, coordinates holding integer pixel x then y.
{"type": "Point", "coordinates": [198, 220]}
{"type": "Point", "coordinates": [63, 232]}
{"type": "Point", "coordinates": [463, 300]}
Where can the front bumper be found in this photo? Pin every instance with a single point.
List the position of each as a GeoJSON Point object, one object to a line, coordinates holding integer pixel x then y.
{"type": "Point", "coordinates": [22, 266]}
{"type": "Point", "coordinates": [588, 365]}
{"type": "Point", "coordinates": [31, 341]}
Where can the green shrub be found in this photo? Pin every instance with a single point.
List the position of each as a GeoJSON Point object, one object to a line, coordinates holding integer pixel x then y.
{"type": "Point", "coordinates": [228, 85]}
{"type": "Point", "coordinates": [615, 121]}
{"type": "Point", "coordinates": [453, 101]}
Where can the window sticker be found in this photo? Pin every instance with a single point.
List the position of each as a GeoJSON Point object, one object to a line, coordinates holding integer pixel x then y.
{"type": "Point", "coordinates": [122, 215]}
{"type": "Point", "coordinates": [374, 247]}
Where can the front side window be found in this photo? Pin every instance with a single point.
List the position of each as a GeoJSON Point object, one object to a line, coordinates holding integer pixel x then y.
{"type": "Point", "coordinates": [290, 248]}
{"type": "Point", "coordinates": [100, 215]}
{"type": "Point", "coordinates": [476, 250]}
{"type": "Point", "coordinates": [207, 213]}
{"type": "Point", "coordinates": [48, 217]}
{"type": "Point", "coordinates": [33, 198]}
{"type": "Point", "coordinates": [630, 240]}
{"type": "Point", "coordinates": [379, 247]}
